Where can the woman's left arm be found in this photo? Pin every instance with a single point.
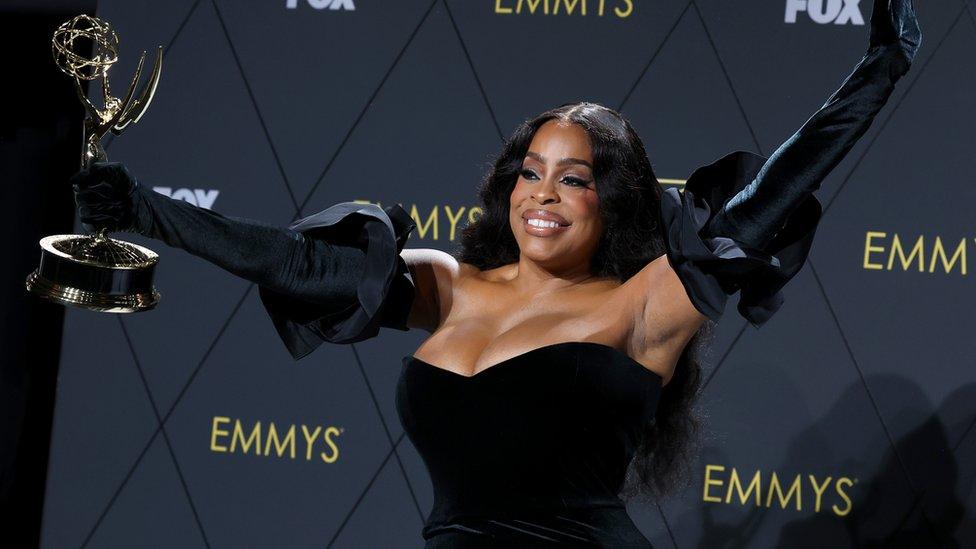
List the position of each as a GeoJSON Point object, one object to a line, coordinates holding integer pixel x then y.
{"type": "Point", "coordinates": [798, 166]}
{"type": "Point", "coordinates": [745, 223]}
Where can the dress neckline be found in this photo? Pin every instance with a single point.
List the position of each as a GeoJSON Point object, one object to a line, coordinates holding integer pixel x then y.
{"type": "Point", "coordinates": [626, 359]}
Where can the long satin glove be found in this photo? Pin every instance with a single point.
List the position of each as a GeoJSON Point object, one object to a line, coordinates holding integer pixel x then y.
{"type": "Point", "coordinates": [278, 258]}
{"type": "Point", "coordinates": [797, 168]}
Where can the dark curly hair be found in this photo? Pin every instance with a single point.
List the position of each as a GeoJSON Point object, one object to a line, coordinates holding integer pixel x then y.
{"type": "Point", "coordinates": [630, 197]}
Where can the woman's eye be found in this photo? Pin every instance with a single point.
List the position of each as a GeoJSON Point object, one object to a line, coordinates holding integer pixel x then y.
{"type": "Point", "coordinates": [572, 181]}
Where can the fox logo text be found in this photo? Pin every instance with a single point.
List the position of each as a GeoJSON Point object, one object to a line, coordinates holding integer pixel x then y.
{"type": "Point", "coordinates": [345, 5]}
{"type": "Point", "coordinates": [198, 197]}
{"type": "Point", "coordinates": [838, 12]}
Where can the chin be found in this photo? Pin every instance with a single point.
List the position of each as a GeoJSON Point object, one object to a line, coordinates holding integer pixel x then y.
{"type": "Point", "coordinates": [542, 252]}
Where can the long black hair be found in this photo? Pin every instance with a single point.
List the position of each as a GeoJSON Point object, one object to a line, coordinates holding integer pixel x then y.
{"type": "Point", "coordinates": [630, 198]}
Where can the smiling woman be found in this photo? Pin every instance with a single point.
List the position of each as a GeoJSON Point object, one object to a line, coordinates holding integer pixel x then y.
{"type": "Point", "coordinates": [557, 198]}
{"type": "Point", "coordinates": [561, 368]}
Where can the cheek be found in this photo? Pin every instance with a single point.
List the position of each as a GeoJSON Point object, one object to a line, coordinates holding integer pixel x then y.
{"type": "Point", "coordinates": [514, 199]}
{"type": "Point", "coordinates": [589, 205]}
{"type": "Point", "coordinates": [593, 202]}
{"type": "Point", "coordinates": [518, 192]}
{"type": "Point", "coordinates": [592, 206]}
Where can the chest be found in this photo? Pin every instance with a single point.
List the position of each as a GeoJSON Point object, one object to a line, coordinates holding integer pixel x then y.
{"type": "Point", "coordinates": [482, 332]}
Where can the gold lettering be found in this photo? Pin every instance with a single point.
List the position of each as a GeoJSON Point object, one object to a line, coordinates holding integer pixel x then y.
{"type": "Point", "coordinates": [432, 223]}
{"type": "Point", "coordinates": [453, 219]}
{"type": "Point", "coordinates": [533, 4]}
{"type": "Point", "coordinates": [709, 481]}
{"type": "Point", "coordinates": [939, 252]}
{"type": "Point", "coordinates": [868, 248]}
{"type": "Point", "coordinates": [621, 8]}
{"type": "Point", "coordinates": [328, 441]}
{"type": "Point", "coordinates": [917, 249]}
{"type": "Point", "coordinates": [246, 443]}
{"type": "Point", "coordinates": [422, 227]}
{"type": "Point", "coordinates": [844, 496]}
{"type": "Point", "coordinates": [570, 6]}
{"type": "Point", "coordinates": [774, 487]}
{"type": "Point", "coordinates": [735, 483]}
{"type": "Point", "coordinates": [309, 439]}
{"type": "Point", "coordinates": [500, 9]}
{"type": "Point", "coordinates": [630, 9]}
{"type": "Point", "coordinates": [215, 432]}
{"type": "Point", "coordinates": [786, 496]}
{"type": "Point", "coordinates": [819, 491]}
{"type": "Point", "coordinates": [280, 445]}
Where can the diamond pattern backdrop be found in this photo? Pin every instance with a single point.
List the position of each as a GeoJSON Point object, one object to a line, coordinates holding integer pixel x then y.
{"type": "Point", "coordinates": [862, 383]}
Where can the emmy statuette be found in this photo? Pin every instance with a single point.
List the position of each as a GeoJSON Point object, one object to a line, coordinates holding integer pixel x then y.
{"type": "Point", "coordinates": [94, 271]}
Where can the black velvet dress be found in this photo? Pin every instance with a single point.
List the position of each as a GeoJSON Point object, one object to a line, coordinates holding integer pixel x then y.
{"type": "Point", "coordinates": [533, 451]}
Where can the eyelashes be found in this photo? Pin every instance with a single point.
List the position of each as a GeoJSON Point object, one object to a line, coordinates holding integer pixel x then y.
{"type": "Point", "coordinates": [573, 181]}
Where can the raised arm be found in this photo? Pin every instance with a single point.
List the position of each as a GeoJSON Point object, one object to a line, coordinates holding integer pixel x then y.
{"type": "Point", "coordinates": [745, 223]}
{"type": "Point", "coordinates": [334, 276]}
{"type": "Point", "coordinates": [797, 168]}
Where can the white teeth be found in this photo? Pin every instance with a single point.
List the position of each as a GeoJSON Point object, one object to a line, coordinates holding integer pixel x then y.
{"type": "Point", "coordinates": [542, 223]}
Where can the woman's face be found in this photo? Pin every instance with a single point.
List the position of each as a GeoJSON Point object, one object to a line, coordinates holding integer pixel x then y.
{"type": "Point", "coordinates": [556, 185]}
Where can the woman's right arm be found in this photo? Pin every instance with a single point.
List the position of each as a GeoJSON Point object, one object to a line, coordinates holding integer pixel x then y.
{"type": "Point", "coordinates": [278, 258]}
{"type": "Point", "coordinates": [336, 275]}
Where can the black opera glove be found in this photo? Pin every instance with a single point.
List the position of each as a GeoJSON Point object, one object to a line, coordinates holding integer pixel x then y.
{"type": "Point", "coordinates": [796, 169]}
{"type": "Point", "coordinates": [327, 277]}
{"type": "Point", "coordinates": [281, 259]}
{"type": "Point", "coordinates": [103, 196]}
{"type": "Point", "coordinates": [745, 222]}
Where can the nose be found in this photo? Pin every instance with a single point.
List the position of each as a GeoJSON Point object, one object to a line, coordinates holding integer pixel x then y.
{"type": "Point", "coordinates": [545, 193]}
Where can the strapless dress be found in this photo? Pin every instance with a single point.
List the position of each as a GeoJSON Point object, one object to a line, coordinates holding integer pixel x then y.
{"type": "Point", "coordinates": [530, 452]}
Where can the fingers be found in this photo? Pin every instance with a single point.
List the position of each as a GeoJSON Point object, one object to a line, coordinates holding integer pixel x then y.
{"type": "Point", "coordinates": [910, 33]}
{"type": "Point", "coordinates": [111, 216]}
{"type": "Point", "coordinates": [103, 195]}
{"type": "Point", "coordinates": [80, 179]}
{"type": "Point", "coordinates": [114, 174]}
{"type": "Point", "coordinates": [895, 22]}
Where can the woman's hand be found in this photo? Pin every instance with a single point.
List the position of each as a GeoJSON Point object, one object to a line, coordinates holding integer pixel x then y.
{"type": "Point", "coordinates": [104, 197]}
{"type": "Point", "coordinates": [797, 168]}
{"type": "Point", "coordinates": [893, 23]}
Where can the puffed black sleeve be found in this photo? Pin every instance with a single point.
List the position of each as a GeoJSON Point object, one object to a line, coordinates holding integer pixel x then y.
{"type": "Point", "coordinates": [746, 222]}
{"type": "Point", "coordinates": [384, 293]}
{"type": "Point", "coordinates": [712, 268]}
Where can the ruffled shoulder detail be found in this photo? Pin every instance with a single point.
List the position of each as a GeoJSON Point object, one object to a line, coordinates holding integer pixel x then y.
{"type": "Point", "coordinates": [384, 293]}
{"type": "Point", "coordinates": [713, 268]}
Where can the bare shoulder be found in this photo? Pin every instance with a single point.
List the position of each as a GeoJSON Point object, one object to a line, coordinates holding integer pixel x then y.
{"type": "Point", "coordinates": [430, 258]}
{"type": "Point", "coordinates": [435, 275]}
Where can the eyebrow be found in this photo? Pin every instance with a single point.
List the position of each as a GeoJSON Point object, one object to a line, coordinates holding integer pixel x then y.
{"type": "Point", "coordinates": [561, 162]}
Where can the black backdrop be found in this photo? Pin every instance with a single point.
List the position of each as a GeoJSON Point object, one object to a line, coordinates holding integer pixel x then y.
{"type": "Point", "coordinates": [39, 135]}
{"type": "Point", "coordinates": [858, 396]}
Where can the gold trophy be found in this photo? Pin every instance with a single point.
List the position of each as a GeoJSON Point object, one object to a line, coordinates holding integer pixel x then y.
{"type": "Point", "coordinates": [96, 272]}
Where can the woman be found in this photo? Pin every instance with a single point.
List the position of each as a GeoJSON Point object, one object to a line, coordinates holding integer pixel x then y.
{"type": "Point", "coordinates": [563, 337]}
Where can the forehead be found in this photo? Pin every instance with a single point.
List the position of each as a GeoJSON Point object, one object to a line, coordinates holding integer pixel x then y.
{"type": "Point", "coordinates": [557, 139]}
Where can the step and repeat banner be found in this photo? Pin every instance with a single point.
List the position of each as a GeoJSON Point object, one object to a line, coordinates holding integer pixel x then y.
{"type": "Point", "coordinates": [842, 422]}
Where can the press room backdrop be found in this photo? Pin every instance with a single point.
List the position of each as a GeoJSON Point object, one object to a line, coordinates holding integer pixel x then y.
{"type": "Point", "coordinates": [841, 422]}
